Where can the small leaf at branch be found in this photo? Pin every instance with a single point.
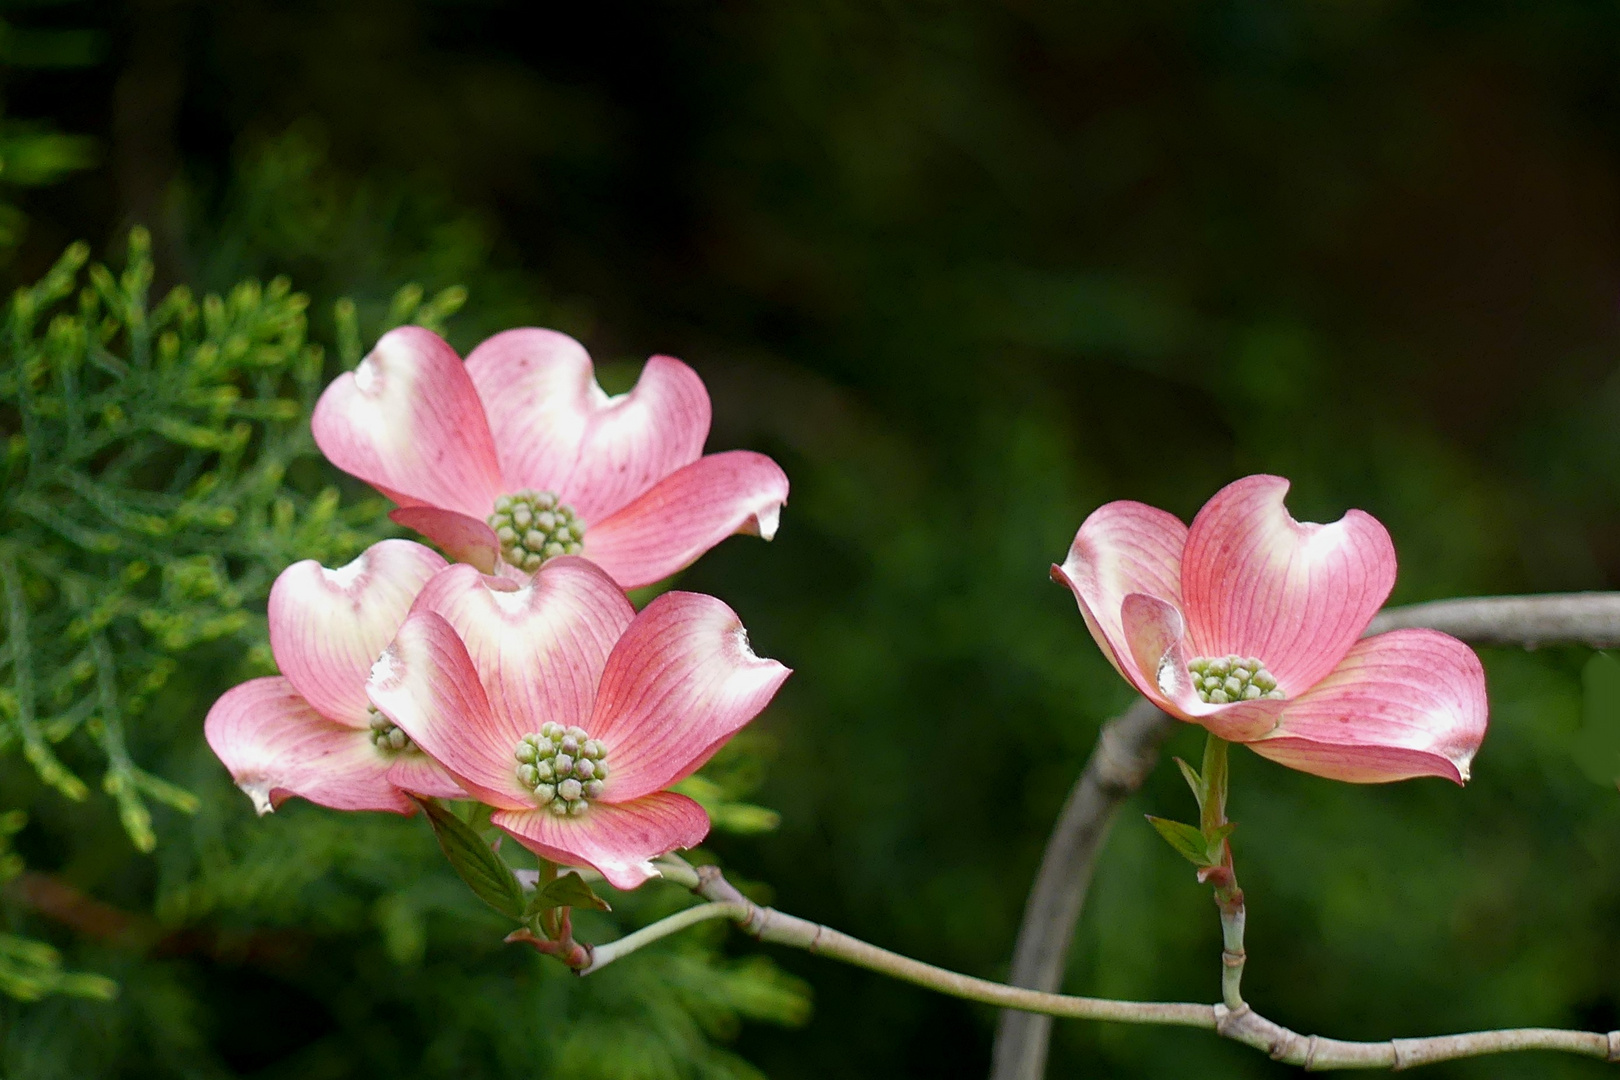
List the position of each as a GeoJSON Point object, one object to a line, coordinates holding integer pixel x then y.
{"type": "Point", "coordinates": [1194, 781]}
{"type": "Point", "coordinates": [484, 871]}
{"type": "Point", "coordinates": [1188, 842]}
{"type": "Point", "coordinates": [569, 890]}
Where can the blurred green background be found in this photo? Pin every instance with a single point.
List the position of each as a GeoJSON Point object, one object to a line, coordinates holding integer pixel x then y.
{"type": "Point", "coordinates": [967, 270]}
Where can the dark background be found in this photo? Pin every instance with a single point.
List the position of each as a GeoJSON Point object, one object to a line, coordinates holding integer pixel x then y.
{"type": "Point", "coordinates": [969, 270]}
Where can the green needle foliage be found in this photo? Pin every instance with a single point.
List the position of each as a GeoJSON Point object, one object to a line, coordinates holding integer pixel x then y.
{"type": "Point", "coordinates": [145, 500]}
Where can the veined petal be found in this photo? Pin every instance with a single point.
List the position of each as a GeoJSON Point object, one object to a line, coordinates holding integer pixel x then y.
{"type": "Point", "coordinates": [539, 393]}
{"type": "Point", "coordinates": [678, 683]}
{"type": "Point", "coordinates": [408, 422]}
{"type": "Point", "coordinates": [686, 514]}
{"type": "Point", "coordinates": [327, 627]}
{"type": "Point", "coordinates": [619, 840]}
{"type": "Point", "coordinates": [1155, 638]}
{"type": "Point", "coordinates": [1402, 704]}
{"type": "Point", "coordinates": [636, 439]}
{"type": "Point", "coordinates": [419, 774]}
{"type": "Point", "coordinates": [557, 431]}
{"type": "Point", "coordinates": [464, 538]}
{"type": "Point", "coordinates": [425, 683]}
{"type": "Point", "coordinates": [539, 647]}
{"type": "Point", "coordinates": [275, 746]}
{"type": "Point", "coordinates": [1297, 595]}
{"type": "Point", "coordinates": [1122, 548]}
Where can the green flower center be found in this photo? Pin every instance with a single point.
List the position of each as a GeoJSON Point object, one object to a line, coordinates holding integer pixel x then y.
{"type": "Point", "coordinates": [1223, 679]}
{"type": "Point", "coordinates": [563, 767]}
{"type": "Point", "coordinates": [534, 526]}
{"type": "Point", "coordinates": [385, 736]}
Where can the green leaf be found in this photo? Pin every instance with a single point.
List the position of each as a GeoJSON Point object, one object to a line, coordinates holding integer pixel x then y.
{"type": "Point", "coordinates": [569, 890]}
{"type": "Point", "coordinates": [1187, 841]}
{"type": "Point", "coordinates": [483, 870]}
{"type": "Point", "coordinates": [1194, 781]}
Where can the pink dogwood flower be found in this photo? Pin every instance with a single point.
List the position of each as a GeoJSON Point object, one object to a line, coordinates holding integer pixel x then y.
{"type": "Point", "coordinates": [552, 701]}
{"type": "Point", "coordinates": [518, 456]}
{"type": "Point", "coordinates": [311, 731]}
{"type": "Point", "coordinates": [1250, 623]}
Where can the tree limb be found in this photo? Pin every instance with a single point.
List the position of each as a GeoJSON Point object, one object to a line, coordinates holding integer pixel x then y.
{"type": "Point", "coordinates": [1241, 1024]}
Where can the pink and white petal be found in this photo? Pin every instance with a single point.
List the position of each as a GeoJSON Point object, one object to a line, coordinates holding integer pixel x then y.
{"type": "Point", "coordinates": [539, 392]}
{"type": "Point", "coordinates": [1297, 595]}
{"type": "Point", "coordinates": [539, 645]}
{"type": "Point", "coordinates": [680, 682]}
{"type": "Point", "coordinates": [1402, 704]}
{"type": "Point", "coordinates": [276, 746]}
{"type": "Point", "coordinates": [425, 683]}
{"type": "Point", "coordinates": [421, 775]}
{"type": "Point", "coordinates": [619, 840]}
{"type": "Point", "coordinates": [688, 512]}
{"type": "Point", "coordinates": [635, 440]}
{"type": "Point", "coordinates": [1122, 548]}
{"type": "Point", "coordinates": [1155, 636]}
{"type": "Point", "coordinates": [409, 422]}
{"type": "Point", "coordinates": [327, 627]}
{"type": "Point", "coordinates": [465, 539]}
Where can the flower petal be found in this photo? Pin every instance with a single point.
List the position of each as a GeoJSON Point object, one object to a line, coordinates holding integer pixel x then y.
{"type": "Point", "coordinates": [1402, 704]}
{"type": "Point", "coordinates": [539, 646]}
{"type": "Point", "coordinates": [425, 683]}
{"type": "Point", "coordinates": [619, 840]}
{"type": "Point", "coordinates": [1255, 582]}
{"type": "Point", "coordinates": [686, 514]}
{"type": "Point", "coordinates": [556, 430]}
{"type": "Point", "coordinates": [1155, 636]}
{"type": "Point", "coordinates": [1122, 548]}
{"type": "Point", "coordinates": [421, 775]}
{"type": "Point", "coordinates": [408, 422]}
{"type": "Point", "coordinates": [680, 681]}
{"type": "Point", "coordinates": [327, 627]}
{"type": "Point", "coordinates": [538, 391]}
{"type": "Point", "coordinates": [275, 746]}
{"type": "Point", "coordinates": [464, 539]}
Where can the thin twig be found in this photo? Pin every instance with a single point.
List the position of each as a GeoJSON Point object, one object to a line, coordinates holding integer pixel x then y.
{"type": "Point", "coordinates": [1241, 1024]}
{"type": "Point", "coordinates": [1128, 748]}
{"type": "Point", "coordinates": [603, 955]}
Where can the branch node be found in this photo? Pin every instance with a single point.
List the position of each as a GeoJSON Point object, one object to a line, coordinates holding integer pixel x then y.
{"type": "Point", "coordinates": [1614, 1046]}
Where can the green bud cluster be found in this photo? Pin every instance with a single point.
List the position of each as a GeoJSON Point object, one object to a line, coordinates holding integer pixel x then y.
{"type": "Point", "coordinates": [385, 735]}
{"type": "Point", "coordinates": [534, 526]}
{"type": "Point", "coordinates": [1223, 679]}
{"type": "Point", "coordinates": [563, 766]}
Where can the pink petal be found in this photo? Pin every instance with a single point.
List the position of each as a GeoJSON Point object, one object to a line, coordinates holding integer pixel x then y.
{"type": "Point", "coordinates": [1155, 636]}
{"type": "Point", "coordinates": [1122, 548]}
{"type": "Point", "coordinates": [464, 539]}
{"type": "Point", "coordinates": [686, 514]}
{"type": "Point", "coordinates": [539, 647]}
{"type": "Point", "coordinates": [680, 681]}
{"type": "Point", "coordinates": [327, 627]}
{"type": "Point", "coordinates": [1255, 582]}
{"type": "Point", "coordinates": [425, 683]}
{"type": "Point", "coordinates": [417, 773]}
{"type": "Point", "coordinates": [408, 422]}
{"type": "Point", "coordinates": [1402, 704]}
{"type": "Point", "coordinates": [276, 746]}
{"type": "Point", "coordinates": [619, 840]}
{"type": "Point", "coordinates": [557, 431]}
